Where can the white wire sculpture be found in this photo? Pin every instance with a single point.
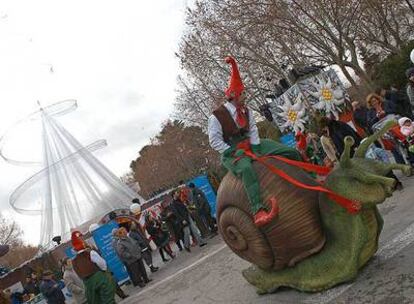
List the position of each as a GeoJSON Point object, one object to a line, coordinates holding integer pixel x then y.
{"type": "Point", "coordinates": [73, 188]}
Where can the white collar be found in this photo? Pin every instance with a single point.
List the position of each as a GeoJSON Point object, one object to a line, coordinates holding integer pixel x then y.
{"type": "Point", "coordinates": [230, 107]}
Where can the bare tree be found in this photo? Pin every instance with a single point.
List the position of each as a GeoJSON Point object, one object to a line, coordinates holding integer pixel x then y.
{"type": "Point", "coordinates": [10, 232]}
{"type": "Point", "coordinates": [18, 254]}
{"type": "Point", "coordinates": [410, 5]}
{"type": "Point", "coordinates": [269, 36]}
{"type": "Point", "coordinates": [178, 152]}
{"type": "Point", "coordinates": [385, 26]}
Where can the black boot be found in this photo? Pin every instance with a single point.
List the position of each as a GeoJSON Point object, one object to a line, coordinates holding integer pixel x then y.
{"type": "Point", "coordinates": [164, 259]}
{"type": "Point", "coordinates": [120, 293]}
{"type": "Point", "coordinates": [153, 268]}
{"type": "Point", "coordinates": [180, 247]}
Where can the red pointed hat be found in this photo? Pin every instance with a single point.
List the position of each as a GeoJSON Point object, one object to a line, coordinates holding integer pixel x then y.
{"type": "Point", "coordinates": [236, 86]}
{"type": "Point", "coordinates": [77, 242]}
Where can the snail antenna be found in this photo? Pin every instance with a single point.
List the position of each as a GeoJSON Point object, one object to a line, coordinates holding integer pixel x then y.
{"type": "Point", "coordinates": [363, 147]}
{"type": "Point", "coordinates": [345, 160]}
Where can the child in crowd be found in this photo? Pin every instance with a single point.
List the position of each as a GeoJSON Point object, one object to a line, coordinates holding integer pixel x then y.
{"type": "Point", "coordinates": [407, 129]}
{"type": "Point", "coordinates": [406, 126]}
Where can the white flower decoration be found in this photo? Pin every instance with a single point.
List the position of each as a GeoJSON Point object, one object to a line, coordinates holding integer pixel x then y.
{"type": "Point", "coordinates": [330, 99]}
{"type": "Point", "coordinates": [293, 116]}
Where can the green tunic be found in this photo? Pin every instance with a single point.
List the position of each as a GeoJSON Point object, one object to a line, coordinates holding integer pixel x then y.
{"type": "Point", "coordinates": [100, 288]}
{"type": "Point", "coordinates": [244, 169]}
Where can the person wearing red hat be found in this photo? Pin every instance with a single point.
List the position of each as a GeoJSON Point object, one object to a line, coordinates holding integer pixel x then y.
{"type": "Point", "coordinates": [232, 131]}
{"type": "Point", "coordinates": [91, 268]}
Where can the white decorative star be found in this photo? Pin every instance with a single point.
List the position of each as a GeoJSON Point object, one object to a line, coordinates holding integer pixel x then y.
{"type": "Point", "coordinates": [330, 98]}
{"type": "Point", "coordinates": [293, 116]}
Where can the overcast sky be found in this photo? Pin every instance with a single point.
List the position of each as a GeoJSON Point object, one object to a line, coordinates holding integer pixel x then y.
{"type": "Point", "coordinates": [116, 58]}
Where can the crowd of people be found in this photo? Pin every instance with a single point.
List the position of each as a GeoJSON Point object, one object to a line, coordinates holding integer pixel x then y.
{"type": "Point", "coordinates": [185, 221]}
{"type": "Point", "coordinates": [328, 145]}
{"type": "Point", "coordinates": [47, 285]}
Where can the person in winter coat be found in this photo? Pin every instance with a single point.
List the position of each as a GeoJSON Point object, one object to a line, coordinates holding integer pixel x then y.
{"type": "Point", "coordinates": [375, 114]}
{"type": "Point", "coordinates": [360, 116]}
{"type": "Point", "coordinates": [396, 102]}
{"type": "Point", "coordinates": [160, 236]}
{"type": "Point", "coordinates": [390, 101]}
{"type": "Point", "coordinates": [337, 131]}
{"type": "Point", "coordinates": [51, 289]}
{"type": "Point", "coordinates": [136, 235]}
{"type": "Point", "coordinates": [410, 86]}
{"type": "Point", "coordinates": [403, 101]}
{"type": "Point", "coordinates": [73, 282]}
{"type": "Point", "coordinates": [175, 225]}
{"type": "Point", "coordinates": [129, 252]}
{"type": "Point", "coordinates": [183, 216]}
{"type": "Point", "coordinates": [16, 297]}
{"type": "Point", "coordinates": [32, 286]}
{"type": "Point", "coordinates": [186, 197]}
{"type": "Point", "coordinates": [203, 207]}
{"type": "Point", "coordinates": [197, 220]}
{"type": "Point", "coordinates": [376, 110]}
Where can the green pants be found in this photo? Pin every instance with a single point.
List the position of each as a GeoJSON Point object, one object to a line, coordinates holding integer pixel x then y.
{"type": "Point", "coordinates": [244, 169]}
{"type": "Point", "coordinates": [100, 288]}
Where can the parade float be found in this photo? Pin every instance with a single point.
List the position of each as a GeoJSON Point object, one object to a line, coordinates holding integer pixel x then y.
{"type": "Point", "coordinates": [320, 235]}
{"type": "Point", "coordinates": [315, 242]}
{"type": "Point", "coordinates": [319, 94]}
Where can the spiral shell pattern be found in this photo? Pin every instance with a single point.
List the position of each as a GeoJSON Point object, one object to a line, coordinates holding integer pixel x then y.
{"type": "Point", "coordinates": [292, 236]}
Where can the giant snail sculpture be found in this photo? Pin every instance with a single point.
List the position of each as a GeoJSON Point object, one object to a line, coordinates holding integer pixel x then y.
{"type": "Point", "coordinates": [313, 243]}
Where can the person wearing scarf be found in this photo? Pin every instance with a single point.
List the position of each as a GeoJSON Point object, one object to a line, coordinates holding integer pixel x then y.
{"type": "Point", "coordinates": [232, 130]}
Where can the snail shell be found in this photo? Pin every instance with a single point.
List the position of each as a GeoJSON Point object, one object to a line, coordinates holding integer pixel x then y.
{"type": "Point", "coordinates": [293, 235]}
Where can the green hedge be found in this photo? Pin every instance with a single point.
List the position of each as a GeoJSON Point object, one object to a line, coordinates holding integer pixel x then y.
{"type": "Point", "coordinates": [391, 71]}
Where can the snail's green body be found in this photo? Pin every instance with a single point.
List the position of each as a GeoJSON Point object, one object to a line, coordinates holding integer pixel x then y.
{"type": "Point", "coordinates": [350, 240]}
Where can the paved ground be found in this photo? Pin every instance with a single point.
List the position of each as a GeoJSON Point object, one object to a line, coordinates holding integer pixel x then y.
{"type": "Point", "coordinates": [212, 274]}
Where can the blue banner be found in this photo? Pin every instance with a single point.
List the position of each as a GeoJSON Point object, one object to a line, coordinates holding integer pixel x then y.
{"type": "Point", "coordinates": [70, 253]}
{"type": "Point", "coordinates": [204, 185]}
{"type": "Point", "coordinates": [288, 140]}
{"type": "Point", "coordinates": [103, 239]}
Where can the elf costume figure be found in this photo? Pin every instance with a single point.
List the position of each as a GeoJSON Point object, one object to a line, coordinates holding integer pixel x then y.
{"type": "Point", "coordinates": [233, 133]}
{"type": "Point", "coordinates": [91, 268]}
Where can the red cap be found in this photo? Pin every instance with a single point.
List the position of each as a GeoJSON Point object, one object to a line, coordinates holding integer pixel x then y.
{"type": "Point", "coordinates": [77, 242]}
{"type": "Point", "coordinates": [236, 86]}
